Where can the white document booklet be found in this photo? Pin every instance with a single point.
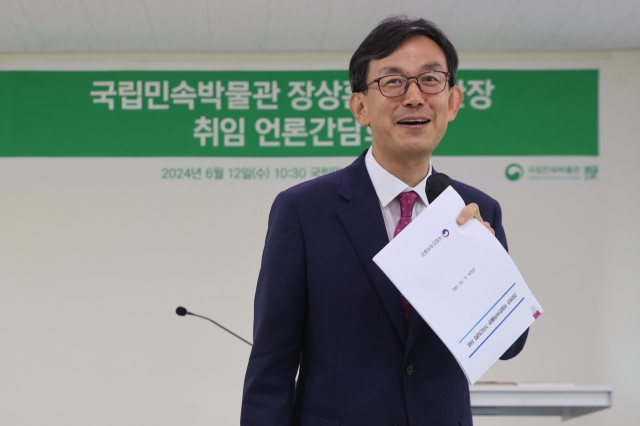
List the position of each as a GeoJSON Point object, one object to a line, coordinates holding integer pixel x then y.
{"type": "Point", "coordinates": [462, 282]}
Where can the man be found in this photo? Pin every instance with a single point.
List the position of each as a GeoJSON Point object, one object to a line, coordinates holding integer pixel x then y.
{"type": "Point", "coordinates": [322, 306]}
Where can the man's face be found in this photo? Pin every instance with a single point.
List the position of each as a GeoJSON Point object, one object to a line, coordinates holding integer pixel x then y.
{"type": "Point", "coordinates": [396, 135]}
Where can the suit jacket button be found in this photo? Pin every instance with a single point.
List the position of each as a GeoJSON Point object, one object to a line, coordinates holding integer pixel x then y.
{"type": "Point", "coordinates": [409, 369]}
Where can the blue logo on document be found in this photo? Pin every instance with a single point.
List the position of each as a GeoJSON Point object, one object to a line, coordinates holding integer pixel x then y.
{"type": "Point", "coordinates": [445, 233]}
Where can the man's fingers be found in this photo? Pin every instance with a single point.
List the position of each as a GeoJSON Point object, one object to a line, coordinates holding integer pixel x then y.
{"type": "Point", "coordinates": [473, 211]}
{"type": "Point", "coordinates": [470, 211]}
{"type": "Point", "coordinates": [488, 225]}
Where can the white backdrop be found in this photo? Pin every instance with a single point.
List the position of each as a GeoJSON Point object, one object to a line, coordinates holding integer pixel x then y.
{"type": "Point", "coordinates": [90, 279]}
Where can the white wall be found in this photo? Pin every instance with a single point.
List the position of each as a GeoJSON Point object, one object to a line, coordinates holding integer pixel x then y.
{"type": "Point", "coordinates": [89, 280]}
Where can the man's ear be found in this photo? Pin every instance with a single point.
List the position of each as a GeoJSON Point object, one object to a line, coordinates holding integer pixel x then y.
{"type": "Point", "coordinates": [358, 106]}
{"type": "Point", "coordinates": [455, 100]}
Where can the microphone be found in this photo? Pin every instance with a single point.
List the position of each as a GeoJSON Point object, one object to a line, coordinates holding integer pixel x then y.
{"type": "Point", "coordinates": [183, 311]}
{"type": "Point", "coordinates": [435, 185]}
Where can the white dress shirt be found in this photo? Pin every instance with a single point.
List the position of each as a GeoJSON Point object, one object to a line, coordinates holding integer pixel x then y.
{"type": "Point", "coordinates": [388, 187]}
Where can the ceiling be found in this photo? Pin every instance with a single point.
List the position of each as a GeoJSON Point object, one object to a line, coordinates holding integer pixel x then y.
{"type": "Point", "coordinates": [319, 25]}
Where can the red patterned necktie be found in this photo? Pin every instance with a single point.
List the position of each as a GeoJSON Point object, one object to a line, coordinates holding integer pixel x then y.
{"type": "Point", "coordinates": [407, 201]}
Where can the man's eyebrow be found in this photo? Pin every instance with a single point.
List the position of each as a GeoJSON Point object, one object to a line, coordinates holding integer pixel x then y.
{"type": "Point", "coordinates": [432, 66]}
{"type": "Point", "coordinates": [392, 70]}
{"type": "Point", "coordinates": [429, 66]}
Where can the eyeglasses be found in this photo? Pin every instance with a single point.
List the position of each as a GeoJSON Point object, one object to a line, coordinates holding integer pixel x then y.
{"type": "Point", "coordinates": [392, 86]}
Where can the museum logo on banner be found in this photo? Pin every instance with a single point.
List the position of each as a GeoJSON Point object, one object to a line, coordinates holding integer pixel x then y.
{"type": "Point", "coordinates": [568, 172]}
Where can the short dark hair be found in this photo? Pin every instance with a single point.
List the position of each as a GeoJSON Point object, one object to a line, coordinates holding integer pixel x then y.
{"type": "Point", "coordinates": [387, 37]}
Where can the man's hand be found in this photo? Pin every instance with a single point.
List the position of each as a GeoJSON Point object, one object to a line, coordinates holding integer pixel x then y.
{"type": "Point", "coordinates": [473, 211]}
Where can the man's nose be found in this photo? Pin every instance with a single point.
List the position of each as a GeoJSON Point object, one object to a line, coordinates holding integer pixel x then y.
{"type": "Point", "coordinates": [414, 95]}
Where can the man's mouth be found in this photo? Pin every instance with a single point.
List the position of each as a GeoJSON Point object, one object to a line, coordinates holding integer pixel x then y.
{"type": "Point", "coordinates": [414, 122]}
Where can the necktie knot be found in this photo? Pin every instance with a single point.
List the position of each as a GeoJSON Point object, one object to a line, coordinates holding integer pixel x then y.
{"type": "Point", "coordinates": [407, 201]}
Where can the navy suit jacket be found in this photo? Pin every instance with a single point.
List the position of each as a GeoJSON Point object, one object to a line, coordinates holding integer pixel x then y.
{"type": "Point", "coordinates": [324, 306]}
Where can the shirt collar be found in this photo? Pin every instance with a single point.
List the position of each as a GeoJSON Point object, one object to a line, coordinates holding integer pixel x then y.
{"type": "Point", "coordinates": [388, 186]}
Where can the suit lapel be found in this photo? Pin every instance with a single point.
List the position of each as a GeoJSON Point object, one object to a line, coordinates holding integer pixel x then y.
{"type": "Point", "coordinates": [362, 219]}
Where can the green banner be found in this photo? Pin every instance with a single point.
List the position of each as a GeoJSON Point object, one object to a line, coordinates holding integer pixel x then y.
{"type": "Point", "coordinates": [278, 114]}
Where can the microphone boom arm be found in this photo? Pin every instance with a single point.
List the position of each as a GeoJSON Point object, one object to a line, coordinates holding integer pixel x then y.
{"type": "Point", "coordinates": [181, 311]}
{"type": "Point", "coordinates": [225, 329]}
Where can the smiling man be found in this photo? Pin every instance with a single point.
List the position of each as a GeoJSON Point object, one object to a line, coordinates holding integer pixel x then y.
{"type": "Point", "coordinates": [323, 309]}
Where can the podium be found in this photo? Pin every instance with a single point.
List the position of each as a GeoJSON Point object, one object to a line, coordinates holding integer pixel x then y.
{"type": "Point", "coordinates": [562, 400]}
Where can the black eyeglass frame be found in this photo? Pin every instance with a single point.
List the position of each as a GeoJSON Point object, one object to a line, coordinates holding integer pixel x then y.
{"type": "Point", "coordinates": [406, 87]}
